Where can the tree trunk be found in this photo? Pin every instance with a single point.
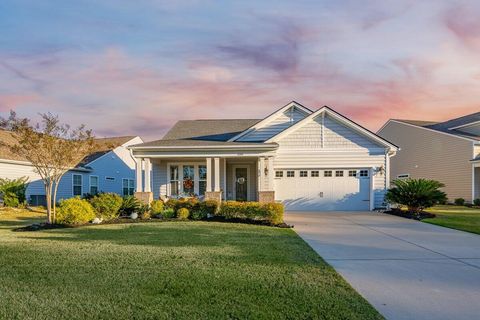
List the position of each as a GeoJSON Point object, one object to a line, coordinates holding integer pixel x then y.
{"type": "Point", "coordinates": [55, 200]}
{"type": "Point", "coordinates": [48, 199]}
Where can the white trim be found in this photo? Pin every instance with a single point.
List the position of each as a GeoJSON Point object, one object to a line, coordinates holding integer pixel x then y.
{"type": "Point", "coordinates": [261, 146]}
{"type": "Point", "coordinates": [196, 184]}
{"type": "Point", "coordinates": [428, 129]}
{"type": "Point", "coordinates": [113, 150]}
{"type": "Point", "coordinates": [234, 167]}
{"type": "Point", "coordinates": [339, 118]}
{"type": "Point", "coordinates": [128, 186]}
{"type": "Point", "coordinates": [73, 185]}
{"type": "Point", "coordinates": [209, 175]}
{"type": "Point", "coordinates": [29, 164]}
{"type": "Point", "coordinates": [271, 117]}
{"type": "Point", "coordinates": [473, 173]}
{"type": "Point", "coordinates": [224, 193]}
{"type": "Point", "coordinates": [465, 125]}
{"type": "Point", "coordinates": [372, 191]}
{"type": "Point", "coordinates": [90, 183]}
{"type": "Point", "coordinates": [147, 175]}
{"type": "Point", "coordinates": [139, 174]}
{"type": "Point", "coordinates": [216, 170]}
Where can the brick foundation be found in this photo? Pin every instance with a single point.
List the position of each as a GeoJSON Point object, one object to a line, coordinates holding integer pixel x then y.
{"type": "Point", "coordinates": [144, 197]}
{"type": "Point", "coordinates": [213, 195]}
{"type": "Point", "coordinates": [266, 196]}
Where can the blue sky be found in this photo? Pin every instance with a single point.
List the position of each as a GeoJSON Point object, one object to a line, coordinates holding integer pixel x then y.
{"type": "Point", "coordinates": [135, 67]}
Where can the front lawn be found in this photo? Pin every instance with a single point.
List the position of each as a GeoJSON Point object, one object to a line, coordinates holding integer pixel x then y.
{"type": "Point", "coordinates": [456, 217]}
{"type": "Point", "coordinates": [167, 270]}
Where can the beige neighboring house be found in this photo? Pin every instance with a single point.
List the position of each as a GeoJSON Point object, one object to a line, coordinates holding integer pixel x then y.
{"type": "Point", "coordinates": [446, 151]}
{"type": "Point", "coordinates": [308, 160]}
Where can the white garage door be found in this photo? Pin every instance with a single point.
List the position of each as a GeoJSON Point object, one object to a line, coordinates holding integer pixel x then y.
{"type": "Point", "coordinates": [323, 189]}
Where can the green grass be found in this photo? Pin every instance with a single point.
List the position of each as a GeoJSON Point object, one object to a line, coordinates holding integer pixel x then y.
{"type": "Point", "coordinates": [456, 217]}
{"type": "Point", "coordinates": [167, 270]}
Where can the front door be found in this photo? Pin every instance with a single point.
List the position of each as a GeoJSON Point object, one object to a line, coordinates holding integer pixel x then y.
{"type": "Point", "coordinates": [241, 184]}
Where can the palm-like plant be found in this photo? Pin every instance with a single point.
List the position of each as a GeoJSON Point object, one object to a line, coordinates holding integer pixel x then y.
{"type": "Point", "coordinates": [416, 194]}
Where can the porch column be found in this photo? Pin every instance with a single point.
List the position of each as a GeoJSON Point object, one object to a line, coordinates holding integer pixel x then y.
{"type": "Point", "coordinates": [148, 187]}
{"type": "Point", "coordinates": [224, 195]}
{"type": "Point", "coordinates": [372, 191]}
{"type": "Point", "coordinates": [217, 173]}
{"type": "Point", "coordinates": [138, 174]}
{"type": "Point", "coordinates": [271, 174]}
{"type": "Point", "coordinates": [265, 181]}
{"type": "Point", "coordinates": [209, 175]}
{"type": "Point", "coordinates": [261, 174]}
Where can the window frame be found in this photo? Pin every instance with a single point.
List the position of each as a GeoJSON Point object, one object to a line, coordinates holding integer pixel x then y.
{"type": "Point", "coordinates": [77, 185]}
{"type": "Point", "coordinates": [362, 175]}
{"type": "Point", "coordinates": [196, 178]}
{"type": "Point", "coordinates": [201, 180]}
{"type": "Point", "coordinates": [339, 173]}
{"type": "Point", "coordinates": [130, 187]}
{"type": "Point", "coordinates": [278, 173]}
{"type": "Point", "coordinates": [90, 184]}
{"type": "Point", "coordinates": [303, 174]}
{"type": "Point", "coordinates": [352, 173]}
{"type": "Point", "coordinates": [290, 174]}
{"type": "Point", "coordinates": [316, 175]}
{"type": "Point", "coordinates": [327, 173]}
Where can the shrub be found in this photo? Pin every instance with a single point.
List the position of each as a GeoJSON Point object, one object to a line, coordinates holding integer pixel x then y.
{"type": "Point", "coordinates": [156, 207]}
{"type": "Point", "coordinates": [107, 205]}
{"type": "Point", "coordinates": [476, 202]}
{"type": "Point", "coordinates": [130, 204]}
{"type": "Point", "coordinates": [271, 212]}
{"type": "Point", "coordinates": [198, 214]}
{"type": "Point", "coordinates": [168, 213]}
{"type": "Point", "coordinates": [75, 211]}
{"type": "Point", "coordinates": [183, 213]}
{"type": "Point", "coordinates": [459, 202]}
{"type": "Point", "coordinates": [416, 194]}
{"type": "Point", "coordinates": [13, 191]}
{"type": "Point", "coordinates": [209, 206]}
{"type": "Point", "coordinates": [144, 211]}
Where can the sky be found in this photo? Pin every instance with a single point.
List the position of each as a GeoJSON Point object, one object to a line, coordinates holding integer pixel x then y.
{"type": "Point", "coordinates": [127, 67]}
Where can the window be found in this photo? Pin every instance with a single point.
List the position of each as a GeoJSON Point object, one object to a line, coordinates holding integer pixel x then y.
{"type": "Point", "coordinates": [327, 173]}
{"type": "Point", "coordinates": [93, 184]}
{"type": "Point", "coordinates": [174, 180]}
{"type": "Point", "coordinates": [352, 173]}
{"type": "Point", "coordinates": [202, 179]}
{"type": "Point", "coordinates": [339, 173]}
{"type": "Point", "coordinates": [315, 173]}
{"type": "Point", "coordinates": [77, 185]}
{"type": "Point", "coordinates": [128, 187]}
{"type": "Point", "coordinates": [403, 176]}
{"type": "Point", "coordinates": [278, 174]}
{"type": "Point", "coordinates": [363, 173]}
{"type": "Point", "coordinates": [303, 174]}
{"type": "Point", "coordinates": [290, 174]}
{"type": "Point", "coordinates": [188, 180]}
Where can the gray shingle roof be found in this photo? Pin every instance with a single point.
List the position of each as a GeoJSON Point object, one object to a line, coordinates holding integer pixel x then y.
{"type": "Point", "coordinates": [212, 130]}
{"type": "Point", "coordinates": [197, 143]}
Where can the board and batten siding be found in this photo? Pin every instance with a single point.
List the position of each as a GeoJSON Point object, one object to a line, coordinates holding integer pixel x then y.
{"type": "Point", "coordinates": [432, 155]}
{"type": "Point", "coordinates": [340, 148]}
{"type": "Point", "coordinates": [280, 123]}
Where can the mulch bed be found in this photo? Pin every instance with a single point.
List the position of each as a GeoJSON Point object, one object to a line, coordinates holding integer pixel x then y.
{"type": "Point", "coordinates": [47, 226]}
{"type": "Point", "coordinates": [408, 215]}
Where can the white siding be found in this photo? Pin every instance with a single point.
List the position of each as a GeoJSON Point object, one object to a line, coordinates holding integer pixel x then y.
{"type": "Point", "coordinates": [343, 148]}
{"type": "Point", "coordinates": [280, 123]}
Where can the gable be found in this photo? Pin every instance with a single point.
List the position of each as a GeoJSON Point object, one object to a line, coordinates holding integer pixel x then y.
{"type": "Point", "coordinates": [473, 129]}
{"type": "Point", "coordinates": [277, 124]}
{"type": "Point", "coordinates": [325, 132]}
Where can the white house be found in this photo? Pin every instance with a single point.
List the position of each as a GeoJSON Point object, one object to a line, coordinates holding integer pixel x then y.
{"type": "Point", "coordinates": [308, 160]}
{"type": "Point", "coordinates": [111, 168]}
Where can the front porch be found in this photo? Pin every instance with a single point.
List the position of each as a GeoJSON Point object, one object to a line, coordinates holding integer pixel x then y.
{"type": "Point", "coordinates": [240, 178]}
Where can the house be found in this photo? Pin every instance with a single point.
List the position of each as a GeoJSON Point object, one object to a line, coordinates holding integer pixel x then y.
{"type": "Point", "coordinates": [110, 168]}
{"type": "Point", "coordinates": [308, 160]}
{"type": "Point", "coordinates": [446, 151]}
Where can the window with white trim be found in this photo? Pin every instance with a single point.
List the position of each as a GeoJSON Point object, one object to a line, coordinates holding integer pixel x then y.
{"type": "Point", "coordinates": [174, 187]}
{"type": "Point", "coordinates": [339, 173]}
{"type": "Point", "coordinates": [128, 187]}
{"type": "Point", "coordinates": [363, 173]}
{"type": "Point", "coordinates": [290, 174]}
{"type": "Point", "coordinates": [303, 173]}
{"type": "Point", "coordinates": [327, 173]}
{"type": "Point", "coordinates": [278, 174]}
{"type": "Point", "coordinates": [315, 173]}
{"type": "Point", "coordinates": [202, 179]}
{"type": "Point", "coordinates": [189, 180]}
{"type": "Point", "coordinates": [352, 173]}
{"type": "Point", "coordinates": [77, 185]}
{"type": "Point", "coordinates": [93, 184]}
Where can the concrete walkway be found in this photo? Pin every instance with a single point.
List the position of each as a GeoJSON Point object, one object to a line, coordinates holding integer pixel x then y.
{"type": "Point", "coordinates": [406, 269]}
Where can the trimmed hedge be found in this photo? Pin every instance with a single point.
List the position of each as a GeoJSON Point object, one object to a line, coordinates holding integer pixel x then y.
{"type": "Point", "coordinates": [271, 212]}
{"type": "Point", "coordinates": [156, 207]}
{"type": "Point", "coordinates": [107, 205]}
{"type": "Point", "coordinates": [75, 211]}
{"type": "Point", "coordinates": [183, 213]}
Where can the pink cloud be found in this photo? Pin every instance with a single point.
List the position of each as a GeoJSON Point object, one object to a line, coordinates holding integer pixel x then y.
{"type": "Point", "coordinates": [463, 21]}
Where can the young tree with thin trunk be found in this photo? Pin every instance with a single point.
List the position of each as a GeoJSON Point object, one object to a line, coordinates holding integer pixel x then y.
{"type": "Point", "coordinates": [51, 147]}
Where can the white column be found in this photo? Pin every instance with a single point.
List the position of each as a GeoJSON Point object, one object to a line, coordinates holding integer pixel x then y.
{"type": "Point", "coordinates": [271, 173]}
{"type": "Point", "coordinates": [209, 175]}
{"type": "Point", "coordinates": [224, 178]}
{"type": "Point", "coordinates": [372, 192]}
{"type": "Point", "coordinates": [148, 187]}
{"type": "Point", "coordinates": [138, 174]}
{"type": "Point", "coordinates": [261, 176]}
{"type": "Point", "coordinates": [217, 173]}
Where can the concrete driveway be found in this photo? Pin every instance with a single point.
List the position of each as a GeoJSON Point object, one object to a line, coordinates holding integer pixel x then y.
{"type": "Point", "coordinates": [406, 269]}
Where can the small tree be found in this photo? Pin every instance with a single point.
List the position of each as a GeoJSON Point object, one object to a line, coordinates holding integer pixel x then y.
{"type": "Point", "coordinates": [13, 191]}
{"type": "Point", "coordinates": [416, 194]}
{"type": "Point", "coordinates": [51, 147]}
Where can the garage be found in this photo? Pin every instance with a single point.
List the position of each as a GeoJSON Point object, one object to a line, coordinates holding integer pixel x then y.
{"type": "Point", "coordinates": [323, 189]}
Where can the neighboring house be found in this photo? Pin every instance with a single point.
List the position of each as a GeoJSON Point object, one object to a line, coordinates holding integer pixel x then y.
{"type": "Point", "coordinates": [307, 160]}
{"type": "Point", "coordinates": [110, 168]}
{"type": "Point", "coordinates": [446, 151]}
